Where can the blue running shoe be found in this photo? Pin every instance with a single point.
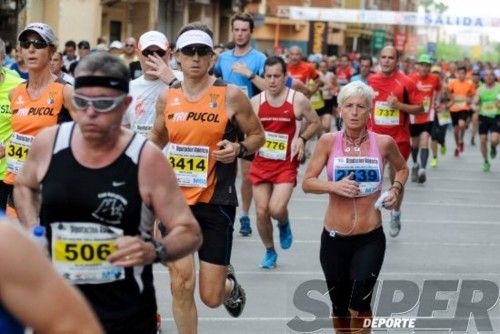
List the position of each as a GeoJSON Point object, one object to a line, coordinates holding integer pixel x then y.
{"type": "Point", "coordinates": [269, 260]}
{"type": "Point", "coordinates": [285, 235]}
{"type": "Point", "coordinates": [245, 229]}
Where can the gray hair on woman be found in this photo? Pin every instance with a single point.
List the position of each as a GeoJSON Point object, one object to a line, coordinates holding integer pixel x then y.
{"type": "Point", "coordinates": [356, 88]}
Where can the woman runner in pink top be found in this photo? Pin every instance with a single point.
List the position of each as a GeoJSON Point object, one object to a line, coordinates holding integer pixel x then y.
{"type": "Point", "coordinates": [353, 241]}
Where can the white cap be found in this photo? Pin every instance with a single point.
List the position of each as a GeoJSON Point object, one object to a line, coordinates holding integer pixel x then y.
{"type": "Point", "coordinates": [42, 29]}
{"type": "Point", "coordinates": [192, 37]}
{"type": "Point", "coordinates": [153, 37]}
{"type": "Point", "coordinates": [116, 45]}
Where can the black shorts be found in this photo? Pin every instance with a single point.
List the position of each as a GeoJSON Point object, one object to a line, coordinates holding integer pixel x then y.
{"type": "Point", "coordinates": [417, 129]}
{"type": "Point", "coordinates": [438, 132]}
{"type": "Point", "coordinates": [351, 265]}
{"type": "Point", "coordinates": [216, 222]}
{"type": "Point", "coordinates": [489, 124]}
{"type": "Point", "coordinates": [460, 115]}
{"type": "Point", "coordinates": [5, 192]}
{"type": "Point", "coordinates": [327, 109]}
{"type": "Point", "coordinates": [142, 322]}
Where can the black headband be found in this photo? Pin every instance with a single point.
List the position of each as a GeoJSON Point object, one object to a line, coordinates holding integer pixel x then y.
{"type": "Point", "coordinates": [101, 81]}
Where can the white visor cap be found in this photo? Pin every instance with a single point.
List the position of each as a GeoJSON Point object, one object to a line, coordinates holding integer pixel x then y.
{"type": "Point", "coordinates": [192, 37]}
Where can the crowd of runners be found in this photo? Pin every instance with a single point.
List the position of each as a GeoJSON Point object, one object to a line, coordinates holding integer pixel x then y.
{"type": "Point", "coordinates": [128, 155]}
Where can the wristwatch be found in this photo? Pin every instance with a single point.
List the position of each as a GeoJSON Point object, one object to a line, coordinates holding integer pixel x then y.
{"type": "Point", "coordinates": [251, 77]}
{"type": "Point", "coordinates": [160, 251]}
{"type": "Point", "coordinates": [243, 151]}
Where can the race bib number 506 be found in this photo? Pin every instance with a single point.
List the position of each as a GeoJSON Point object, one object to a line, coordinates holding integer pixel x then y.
{"type": "Point", "coordinates": [80, 250]}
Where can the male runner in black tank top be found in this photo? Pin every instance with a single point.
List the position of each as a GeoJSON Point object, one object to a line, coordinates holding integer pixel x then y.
{"type": "Point", "coordinates": [101, 187]}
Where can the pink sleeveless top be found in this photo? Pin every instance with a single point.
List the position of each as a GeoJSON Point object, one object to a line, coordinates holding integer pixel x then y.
{"type": "Point", "coordinates": [368, 169]}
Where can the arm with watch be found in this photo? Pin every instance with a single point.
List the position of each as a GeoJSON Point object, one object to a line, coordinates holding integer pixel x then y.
{"type": "Point", "coordinates": [303, 110]}
{"type": "Point", "coordinates": [255, 79]}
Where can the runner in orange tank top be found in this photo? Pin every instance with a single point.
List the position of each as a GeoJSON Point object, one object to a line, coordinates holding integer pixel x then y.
{"type": "Point", "coordinates": [198, 118]}
{"type": "Point", "coordinates": [41, 102]}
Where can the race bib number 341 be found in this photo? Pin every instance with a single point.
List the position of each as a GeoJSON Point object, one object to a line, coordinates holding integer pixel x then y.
{"type": "Point", "coordinates": [17, 151]}
{"type": "Point", "coordinates": [80, 250]}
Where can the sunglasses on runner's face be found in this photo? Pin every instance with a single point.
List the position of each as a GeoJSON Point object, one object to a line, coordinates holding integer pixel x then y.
{"type": "Point", "coordinates": [99, 104]}
{"type": "Point", "coordinates": [190, 51]}
{"type": "Point", "coordinates": [146, 53]}
{"type": "Point", "coordinates": [37, 43]}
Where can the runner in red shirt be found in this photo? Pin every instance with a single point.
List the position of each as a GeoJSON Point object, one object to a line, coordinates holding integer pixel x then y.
{"type": "Point", "coordinates": [428, 85]}
{"type": "Point", "coordinates": [274, 170]}
{"type": "Point", "coordinates": [397, 97]}
{"type": "Point", "coordinates": [299, 69]}
{"type": "Point", "coordinates": [344, 71]}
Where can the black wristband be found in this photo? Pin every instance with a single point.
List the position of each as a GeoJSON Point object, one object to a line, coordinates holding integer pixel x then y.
{"type": "Point", "coordinates": [243, 151]}
{"type": "Point", "coordinates": [251, 77]}
{"type": "Point", "coordinates": [301, 137]}
{"type": "Point", "coordinates": [174, 80]}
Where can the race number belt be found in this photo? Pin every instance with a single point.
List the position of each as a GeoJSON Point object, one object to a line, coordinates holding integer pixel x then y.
{"type": "Point", "coordinates": [190, 164]}
{"type": "Point", "coordinates": [460, 102]}
{"type": "Point", "coordinates": [275, 146]}
{"type": "Point", "coordinates": [17, 151]}
{"type": "Point", "coordinates": [489, 108]}
{"type": "Point", "coordinates": [444, 118]}
{"type": "Point", "coordinates": [385, 114]}
{"type": "Point", "coordinates": [80, 250]}
{"type": "Point", "coordinates": [366, 172]}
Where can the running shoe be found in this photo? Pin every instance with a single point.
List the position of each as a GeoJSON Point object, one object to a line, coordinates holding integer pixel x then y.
{"type": "Point", "coordinates": [269, 260]}
{"type": "Point", "coordinates": [245, 228]}
{"type": "Point", "coordinates": [493, 152]}
{"type": "Point", "coordinates": [421, 176]}
{"type": "Point", "coordinates": [443, 149]}
{"type": "Point", "coordinates": [457, 152]}
{"type": "Point", "coordinates": [461, 147]}
{"type": "Point", "coordinates": [414, 172]}
{"type": "Point", "coordinates": [285, 235]}
{"type": "Point", "coordinates": [236, 302]}
{"type": "Point", "coordinates": [434, 162]}
{"type": "Point", "coordinates": [486, 166]}
{"type": "Point", "coordinates": [395, 226]}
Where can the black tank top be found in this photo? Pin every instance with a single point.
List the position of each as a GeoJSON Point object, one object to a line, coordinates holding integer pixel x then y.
{"type": "Point", "coordinates": [84, 210]}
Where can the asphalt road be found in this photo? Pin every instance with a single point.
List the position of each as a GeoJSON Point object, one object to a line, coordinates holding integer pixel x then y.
{"type": "Point", "coordinates": [450, 234]}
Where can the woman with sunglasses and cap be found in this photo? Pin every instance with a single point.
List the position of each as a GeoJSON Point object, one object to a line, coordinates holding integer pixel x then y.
{"type": "Point", "coordinates": [42, 101]}
{"type": "Point", "coordinates": [353, 242]}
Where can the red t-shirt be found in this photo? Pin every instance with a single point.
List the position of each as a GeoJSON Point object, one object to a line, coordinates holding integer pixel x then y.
{"type": "Point", "coordinates": [302, 71]}
{"type": "Point", "coordinates": [387, 120]}
{"type": "Point", "coordinates": [344, 75]}
{"type": "Point", "coordinates": [428, 87]}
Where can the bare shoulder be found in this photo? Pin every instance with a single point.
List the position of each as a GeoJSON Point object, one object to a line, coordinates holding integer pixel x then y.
{"type": "Point", "coordinates": [385, 142]}
{"type": "Point", "coordinates": [326, 140]}
{"type": "Point", "coordinates": [234, 94]}
{"type": "Point", "coordinates": [300, 97]}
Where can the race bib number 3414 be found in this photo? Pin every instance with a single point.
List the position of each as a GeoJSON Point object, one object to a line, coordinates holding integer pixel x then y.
{"type": "Point", "coordinates": [190, 164]}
